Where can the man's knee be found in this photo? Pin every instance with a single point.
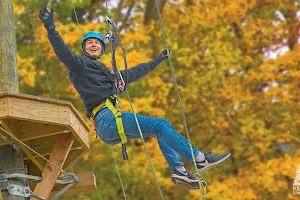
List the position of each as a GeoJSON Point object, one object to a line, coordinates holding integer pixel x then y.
{"type": "Point", "coordinates": [161, 125]}
{"type": "Point", "coordinates": [163, 121]}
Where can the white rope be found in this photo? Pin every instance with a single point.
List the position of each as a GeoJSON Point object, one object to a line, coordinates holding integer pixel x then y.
{"type": "Point", "coordinates": [38, 47]}
{"type": "Point", "coordinates": [119, 174]}
{"type": "Point", "coordinates": [138, 125]}
{"type": "Point", "coordinates": [180, 101]}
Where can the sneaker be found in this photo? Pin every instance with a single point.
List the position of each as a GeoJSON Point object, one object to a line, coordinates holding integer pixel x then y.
{"type": "Point", "coordinates": [187, 179]}
{"type": "Point", "coordinates": [211, 160]}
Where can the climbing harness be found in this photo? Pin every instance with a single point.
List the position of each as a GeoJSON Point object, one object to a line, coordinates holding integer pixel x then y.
{"type": "Point", "coordinates": [122, 87]}
{"type": "Point", "coordinates": [78, 25]}
{"type": "Point", "coordinates": [115, 109]}
{"type": "Point", "coordinates": [119, 84]}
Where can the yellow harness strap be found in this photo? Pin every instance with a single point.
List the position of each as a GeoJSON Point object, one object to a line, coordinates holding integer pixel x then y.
{"type": "Point", "coordinates": [118, 116]}
{"type": "Point", "coordinates": [95, 110]}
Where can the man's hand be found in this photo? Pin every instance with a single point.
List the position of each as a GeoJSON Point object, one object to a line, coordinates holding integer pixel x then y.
{"type": "Point", "coordinates": [47, 17]}
{"type": "Point", "coordinates": [163, 55]}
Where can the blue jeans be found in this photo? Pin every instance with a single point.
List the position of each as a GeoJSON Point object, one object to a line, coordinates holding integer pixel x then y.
{"type": "Point", "coordinates": [170, 141]}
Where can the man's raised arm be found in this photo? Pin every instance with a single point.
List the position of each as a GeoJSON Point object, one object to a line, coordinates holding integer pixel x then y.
{"type": "Point", "coordinates": [60, 48]}
{"type": "Point", "coordinates": [142, 69]}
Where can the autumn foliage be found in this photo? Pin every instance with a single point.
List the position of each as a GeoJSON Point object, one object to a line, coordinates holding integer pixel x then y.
{"type": "Point", "coordinates": [237, 65]}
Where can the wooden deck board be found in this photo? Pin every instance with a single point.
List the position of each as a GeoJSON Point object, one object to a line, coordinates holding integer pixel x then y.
{"type": "Point", "coordinates": [37, 111]}
{"type": "Point", "coordinates": [51, 127]}
{"type": "Point", "coordinates": [33, 130]}
{"type": "Point", "coordinates": [3, 107]}
{"type": "Point", "coordinates": [82, 136]}
{"type": "Point", "coordinates": [46, 100]}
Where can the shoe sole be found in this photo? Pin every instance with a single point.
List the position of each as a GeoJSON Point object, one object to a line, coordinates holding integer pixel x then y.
{"type": "Point", "coordinates": [191, 185]}
{"type": "Point", "coordinates": [212, 165]}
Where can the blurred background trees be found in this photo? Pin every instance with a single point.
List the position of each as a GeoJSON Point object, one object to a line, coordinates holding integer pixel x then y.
{"type": "Point", "coordinates": [237, 66]}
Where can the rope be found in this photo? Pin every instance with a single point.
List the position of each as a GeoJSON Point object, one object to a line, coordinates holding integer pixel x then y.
{"type": "Point", "coordinates": [49, 86]}
{"type": "Point", "coordinates": [117, 167]}
{"type": "Point", "coordinates": [108, 27]}
{"type": "Point", "coordinates": [79, 29]}
{"type": "Point", "coordinates": [19, 141]}
{"type": "Point", "coordinates": [112, 149]}
{"type": "Point", "coordinates": [138, 125]}
{"type": "Point", "coordinates": [106, 6]}
{"type": "Point", "coordinates": [146, 149]}
{"type": "Point", "coordinates": [38, 46]}
{"type": "Point", "coordinates": [10, 143]}
{"type": "Point", "coordinates": [180, 101]}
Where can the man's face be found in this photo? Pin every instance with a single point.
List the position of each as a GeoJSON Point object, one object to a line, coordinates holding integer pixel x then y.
{"type": "Point", "coordinates": [93, 47]}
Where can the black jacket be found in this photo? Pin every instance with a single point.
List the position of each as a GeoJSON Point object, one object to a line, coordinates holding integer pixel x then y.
{"type": "Point", "coordinates": [91, 78]}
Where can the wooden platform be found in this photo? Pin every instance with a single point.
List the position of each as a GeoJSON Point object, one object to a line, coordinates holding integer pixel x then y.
{"type": "Point", "coordinates": [40, 123]}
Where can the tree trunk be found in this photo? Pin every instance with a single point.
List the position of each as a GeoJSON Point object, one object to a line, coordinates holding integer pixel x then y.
{"type": "Point", "coordinates": [151, 11]}
{"type": "Point", "coordinates": [8, 61]}
{"type": "Point", "coordinates": [11, 161]}
{"type": "Point", "coordinates": [151, 14]}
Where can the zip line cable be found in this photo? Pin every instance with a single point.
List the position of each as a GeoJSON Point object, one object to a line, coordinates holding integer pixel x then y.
{"type": "Point", "coordinates": [38, 46]}
{"type": "Point", "coordinates": [179, 98]}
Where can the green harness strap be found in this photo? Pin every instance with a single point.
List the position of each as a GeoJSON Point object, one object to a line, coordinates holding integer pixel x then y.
{"type": "Point", "coordinates": [118, 116]}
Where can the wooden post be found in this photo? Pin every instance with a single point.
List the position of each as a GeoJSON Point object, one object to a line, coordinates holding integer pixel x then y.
{"type": "Point", "coordinates": [11, 162]}
{"type": "Point", "coordinates": [87, 183]}
{"type": "Point", "coordinates": [50, 173]}
{"type": "Point", "coordinates": [8, 59]}
{"type": "Point", "coordinates": [10, 159]}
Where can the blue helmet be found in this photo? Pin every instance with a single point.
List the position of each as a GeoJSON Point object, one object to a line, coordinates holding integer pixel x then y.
{"type": "Point", "coordinates": [93, 35]}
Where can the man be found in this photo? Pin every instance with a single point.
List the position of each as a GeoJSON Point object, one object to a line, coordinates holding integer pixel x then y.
{"type": "Point", "coordinates": [96, 86]}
